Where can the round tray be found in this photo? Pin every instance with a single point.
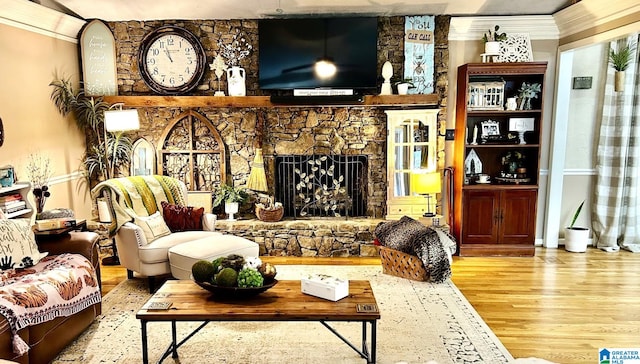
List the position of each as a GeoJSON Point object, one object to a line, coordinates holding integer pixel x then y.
{"type": "Point", "coordinates": [235, 292]}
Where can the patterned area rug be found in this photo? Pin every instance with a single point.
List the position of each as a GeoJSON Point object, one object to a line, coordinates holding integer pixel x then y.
{"type": "Point", "coordinates": [420, 322]}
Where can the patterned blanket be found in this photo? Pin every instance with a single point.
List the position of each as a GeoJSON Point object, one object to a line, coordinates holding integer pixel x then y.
{"type": "Point", "coordinates": [139, 194]}
{"type": "Point", "coordinates": [433, 246]}
{"type": "Point", "coordinates": [58, 286]}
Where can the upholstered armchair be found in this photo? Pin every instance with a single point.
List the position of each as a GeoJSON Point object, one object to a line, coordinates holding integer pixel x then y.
{"type": "Point", "coordinates": [142, 228]}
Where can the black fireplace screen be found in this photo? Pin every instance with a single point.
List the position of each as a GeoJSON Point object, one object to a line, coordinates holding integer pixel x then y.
{"type": "Point", "coordinates": [322, 185]}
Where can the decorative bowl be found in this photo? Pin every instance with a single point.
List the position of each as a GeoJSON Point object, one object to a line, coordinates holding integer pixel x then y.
{"type": "Point", "coordinates": [235, 292]}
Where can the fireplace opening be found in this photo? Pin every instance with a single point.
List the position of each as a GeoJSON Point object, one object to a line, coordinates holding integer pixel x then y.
{"type": "Point", "coordinates": [322, 185]}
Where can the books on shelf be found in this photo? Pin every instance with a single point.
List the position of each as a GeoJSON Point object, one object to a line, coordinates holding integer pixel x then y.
{"type": "Point", "coordinates": [9, 207]}
{"type": "Point", "coordinates": [53, 224]}
{"type": "Point", "coordinates": [10, 198]}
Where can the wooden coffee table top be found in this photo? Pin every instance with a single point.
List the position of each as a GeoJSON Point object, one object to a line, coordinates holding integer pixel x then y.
{"type": "Point", "coordinates": [283, 302]}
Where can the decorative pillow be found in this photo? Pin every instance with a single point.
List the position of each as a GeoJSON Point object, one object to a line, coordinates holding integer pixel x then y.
{"type": "Point", "coordinates": [153, 226]}
{"type": "Point", "coordinates": [182, 218]}
{"type": "Point", "coordinates": [18, 247]}
{"type": "Point", "coordinates": [400, 234]}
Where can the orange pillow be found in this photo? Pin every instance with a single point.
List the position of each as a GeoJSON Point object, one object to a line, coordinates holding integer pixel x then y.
{"type": "Point", "coordinates": [182, 218]}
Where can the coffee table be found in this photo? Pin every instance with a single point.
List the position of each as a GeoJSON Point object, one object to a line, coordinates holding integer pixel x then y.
{"type": "Point", "coordinates": [283, 302]}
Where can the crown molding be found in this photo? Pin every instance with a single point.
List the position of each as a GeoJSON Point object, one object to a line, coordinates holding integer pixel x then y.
{"type": "Point", "coordinates": [591, 17]}
{"type": "Point", "coordinates": [473, 28]}
{"type": "Point", "coordinates": [35, 18]}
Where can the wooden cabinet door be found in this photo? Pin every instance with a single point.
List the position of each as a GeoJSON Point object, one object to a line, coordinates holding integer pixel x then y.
{"type": "Point", "coordinates": [517, 216]}
{"type": "Point", "coordinates": [480, 217]}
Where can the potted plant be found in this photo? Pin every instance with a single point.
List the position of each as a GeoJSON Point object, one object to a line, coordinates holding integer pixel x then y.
{"type": "Point", "coordinates": [232, 198]}
{"type": "Point", "coordinates": [620, 61]}
{"type": "Point", "coordinates": [89, 117]}
{"type": "Point", "coordinates": [576, 238]}
{"type": "Point", "coordinates": [404, 85]}
{"type": "Point", "coordinates": [492, 40]}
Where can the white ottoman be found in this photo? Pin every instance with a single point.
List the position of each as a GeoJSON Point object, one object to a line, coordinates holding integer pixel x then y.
{"type": "Point", "coordinates": [183, 256]}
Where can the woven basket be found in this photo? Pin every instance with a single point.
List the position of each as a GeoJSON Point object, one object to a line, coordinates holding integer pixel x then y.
{"type": "Point", "coordinates": [397, 263]}
{"type": "Point", "coordinates": [269, 215]}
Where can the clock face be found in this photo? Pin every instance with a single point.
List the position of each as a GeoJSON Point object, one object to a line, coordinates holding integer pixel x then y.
{"type": "Point", "coordinates": [171, 60]}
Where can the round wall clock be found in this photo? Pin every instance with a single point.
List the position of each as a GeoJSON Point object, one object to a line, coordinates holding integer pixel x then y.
{"type": "Point", "coordinates": [171, 60]}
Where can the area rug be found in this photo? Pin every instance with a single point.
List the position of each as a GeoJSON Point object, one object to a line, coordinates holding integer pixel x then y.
{"type": "Point", "coordinates": [420, 322]}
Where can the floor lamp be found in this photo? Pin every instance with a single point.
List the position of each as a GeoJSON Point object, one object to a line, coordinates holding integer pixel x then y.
{"type": "Point", "coordinates": [116, 121]}
{"type": "Point", "coordinates": [427, 184]}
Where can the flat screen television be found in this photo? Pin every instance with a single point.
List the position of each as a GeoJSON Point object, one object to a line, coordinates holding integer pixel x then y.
{"type": "Point", "coordinates": [289, 48]}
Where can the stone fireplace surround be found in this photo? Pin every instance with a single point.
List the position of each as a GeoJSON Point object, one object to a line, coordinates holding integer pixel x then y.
{"type": "Point", "coordinates": [303, 130]}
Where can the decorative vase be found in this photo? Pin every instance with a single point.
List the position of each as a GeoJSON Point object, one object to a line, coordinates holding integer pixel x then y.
{"type": "Point", "coordinates": [576, 239]}
{"type": "Point", "coordinates": [618, 85]}
{"type": "Point", "coordinates": [231, 208]}
{"type": "Point", "coordinates": [236, 81]}
{"type": "Point", "coordinates": [403, 88]}
{"type": "Point", "coordinates": [512, 103]}
{"type": "Point", "coordinates": [492, 48]}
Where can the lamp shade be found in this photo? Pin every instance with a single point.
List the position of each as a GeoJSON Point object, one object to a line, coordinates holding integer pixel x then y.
{"type": "Point", "coordinates": [121, 120]}
{"type": "Point", "coordinates": [425, 183]}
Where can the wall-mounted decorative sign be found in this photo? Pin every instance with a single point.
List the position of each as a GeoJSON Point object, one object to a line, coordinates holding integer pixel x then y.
{"type": "Point", "coordinates": [582, 83]}
{"type": "Point", "coordinates": [98, 49]}
{"type": "Point", "coordinates": [418, 52]}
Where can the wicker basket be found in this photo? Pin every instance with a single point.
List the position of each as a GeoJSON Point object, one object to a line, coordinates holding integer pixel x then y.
{"type": "Point", "coordinates": [397, 263]}
{"type": "Point", "coordinates": [269, 215]}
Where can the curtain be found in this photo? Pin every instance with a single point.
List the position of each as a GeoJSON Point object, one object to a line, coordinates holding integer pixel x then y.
{"type": "Point", "coordinates": [615, 206]}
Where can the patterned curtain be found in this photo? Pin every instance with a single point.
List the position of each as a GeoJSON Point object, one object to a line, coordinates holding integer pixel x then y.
{"type": "Point", "coordinates": [615, 216]}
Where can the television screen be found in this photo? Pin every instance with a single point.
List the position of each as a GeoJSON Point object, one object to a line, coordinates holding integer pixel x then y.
{"type": "Point", "coordinates": [290, 48]}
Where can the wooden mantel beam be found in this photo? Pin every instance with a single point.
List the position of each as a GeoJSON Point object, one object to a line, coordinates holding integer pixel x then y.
{"type": "Point", "coordinates": [261, 101]}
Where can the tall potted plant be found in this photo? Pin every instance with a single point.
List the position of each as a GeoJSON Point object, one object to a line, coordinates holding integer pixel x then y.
{"type": "Point", "coordinates": [576, 238]}
{"type": "Point", "coordinates": [89, 117]}
{"type": "Point", "coordinates": [232, 198]}
{"type": "Point", "coordinates": [620, 61]}
{"type": "Point", "coordinates": [492, 40]}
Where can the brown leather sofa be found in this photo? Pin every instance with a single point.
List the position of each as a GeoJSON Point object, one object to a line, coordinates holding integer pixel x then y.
{"type": "Point", "coordinates": [49, 338]}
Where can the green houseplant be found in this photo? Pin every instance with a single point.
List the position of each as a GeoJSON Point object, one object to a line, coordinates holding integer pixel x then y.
{"type": "Point", "coordinates": [231, 196]}
{"type": "Point", "coordinates": [620, 60]}
{"type": "Point", "coordinates": [89, 116]}
{"type": "Point", "coordinates": [492, 40]}
{"type": "Point", "coordinates": [576, 238]}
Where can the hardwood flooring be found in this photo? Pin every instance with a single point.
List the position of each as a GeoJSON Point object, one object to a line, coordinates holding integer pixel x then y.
{"type": "Point", "coordinates": [558, 306]}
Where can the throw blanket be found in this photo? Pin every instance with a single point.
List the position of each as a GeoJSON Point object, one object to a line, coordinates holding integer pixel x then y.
{"type": "Point", "coordinates": [57, 286]}
{"type": "Point", "coordinates": [433, 246]}
{"type": "Point", "coordinates": [140, 194]}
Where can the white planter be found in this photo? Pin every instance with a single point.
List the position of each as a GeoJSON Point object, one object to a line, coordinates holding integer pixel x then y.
{"type": "Point", "coordinates": [403, 88]}
{"type": "Point", "coordinates": [618, 85]}
{"type": "Point", "coordinates": [231, 208]}
{"type": "Point", "coordinates": [576, 239]}
{"type": "Point", "coordinates": [492, 48]}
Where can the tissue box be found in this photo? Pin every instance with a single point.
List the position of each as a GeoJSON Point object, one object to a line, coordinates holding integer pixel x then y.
{"type": "Point", "coordinates": [324, 286]}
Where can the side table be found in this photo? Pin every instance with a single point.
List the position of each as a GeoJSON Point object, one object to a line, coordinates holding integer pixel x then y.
{"type": "Point", "coordinates": [106, 240]}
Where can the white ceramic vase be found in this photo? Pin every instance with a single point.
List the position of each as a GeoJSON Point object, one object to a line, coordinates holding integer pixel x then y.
{"type": "Point", "coordinates": [403, 88]}
{"type": "Point", "coordinates": [576, 239]}
{"type": "Point", "coordinates": [618, 85]}
{"type": "Point", "coordinates": [236, 81]}
{"type": "Point", "coordinates": [492, 48]}
{"type": "Point", "coordinates": [231, 208]}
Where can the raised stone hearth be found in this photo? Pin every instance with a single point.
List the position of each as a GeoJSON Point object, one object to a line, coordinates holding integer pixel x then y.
{"type": "Point", "coordinates": [307, 238]}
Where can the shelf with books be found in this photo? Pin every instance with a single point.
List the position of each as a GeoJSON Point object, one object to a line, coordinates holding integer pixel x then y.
{"type": "Point", "coordinates": [14, 200]}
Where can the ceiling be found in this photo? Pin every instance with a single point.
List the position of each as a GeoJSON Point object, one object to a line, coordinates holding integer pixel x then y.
{"type": "Point", "coordinates": [120, 10]}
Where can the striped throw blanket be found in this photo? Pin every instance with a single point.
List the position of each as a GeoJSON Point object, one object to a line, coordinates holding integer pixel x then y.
{"type": "Point", "coordinates": [140, 194]}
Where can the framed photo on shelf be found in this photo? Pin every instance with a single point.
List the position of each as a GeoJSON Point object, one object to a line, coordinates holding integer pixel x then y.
{"type": "Point", "coordinates": [490, 128]}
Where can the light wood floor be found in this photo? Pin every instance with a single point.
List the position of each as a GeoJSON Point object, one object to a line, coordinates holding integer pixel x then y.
{"type": "Point", "coordinates": [558, 306]}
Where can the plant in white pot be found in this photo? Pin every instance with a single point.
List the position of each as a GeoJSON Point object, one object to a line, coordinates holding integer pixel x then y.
{"type": "Point", "coordinates": [492, 40]}
{"type": "Point", "coordinates": [232, 198]}
{"type": "Point", "coordinates": [620, 61]}
{"type": "Point", "coordinates": [404, 85]}
{"type": "Point", "coordinates": [576, 238]}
